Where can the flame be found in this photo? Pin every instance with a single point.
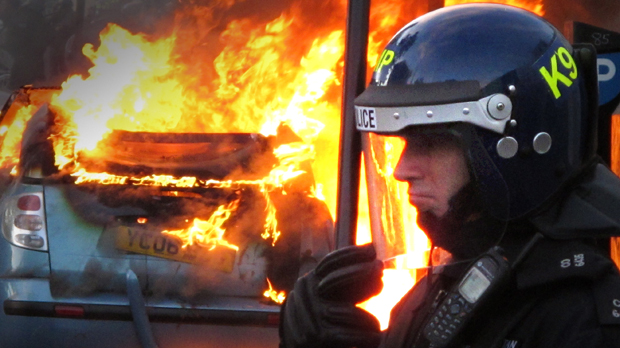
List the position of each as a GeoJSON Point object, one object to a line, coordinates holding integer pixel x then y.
{"type": "Point", "coordinates": [535, 6]}
{"type": "Point", "coordinates": [83, 177]}
{"type": "Point", "coordinates": [128, 86]}
{"type": "Point", "coordinates": [270, 229]}
{"type": "Point", "coordinates": [14, 123]}
{"type": "Point", "coordinates": [208, 233]}
{"type": "Point", "coordinates": [12, 136]}
{"type": "Point", "coordinates": [274, 295]}
{"type": "Point", "coordinates": [150, 87]}
{"type": "Point", "coordinates": [264, 186]}
{"type": "Point", "coordinates": [401, 244]}
{"type": "Point", "coordinates": [147, 89]}
{"type": "Point", "coordinates": [266, 75]}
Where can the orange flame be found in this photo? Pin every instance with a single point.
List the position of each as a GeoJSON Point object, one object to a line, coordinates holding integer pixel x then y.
{"type": "Point", "coordinates": [535, 6]}
{"type": "Point", "coordinates": [12, 136]}
{"type": "Point", "coordinates": [151, 95]}
{"type": "Point", "coordinates": [209, 233]}
{"type": "Point", "coordinates": [14, 123]}
{"type": "Point", "coordinates": [401, 241]}
{"type": "Point", "coordinates": [255, 84]}
{"type": "Point", "coordinates": [265, 186]}
{"type": "Point", "coordinates": [274, 295]}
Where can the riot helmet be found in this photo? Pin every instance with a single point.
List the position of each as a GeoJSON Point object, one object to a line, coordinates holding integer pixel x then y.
{"type": "Point", "coordinates": [519, 96]}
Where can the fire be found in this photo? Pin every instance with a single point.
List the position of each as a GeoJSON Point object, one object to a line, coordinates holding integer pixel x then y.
{"type": "Point", "coordinates": [264, 186]}
{"type": "Point", "coordinates": [139, 84]}
{"type": "Point", "coordinates": [535, 6]}
{"type": "Point", "coordinates": [128, 87]}
{"type": "Point", "coordinates": [402, 245]}
{"type": "Point", "coordinates": [83, 177]}
{"type": "Point", "coordinates": [265, 76]}
{"type": "Point", "coordinates": [274, 295]}
{"type": "Point", "coordinates": [209, 233]}
{"type": "Point", "coordinates": [14, 124]}
{"type": "Point", "coordinates": [12, 136]}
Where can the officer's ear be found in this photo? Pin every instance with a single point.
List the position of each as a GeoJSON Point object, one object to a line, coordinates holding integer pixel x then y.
{"type": "Point", "coordinates": [584, 55]}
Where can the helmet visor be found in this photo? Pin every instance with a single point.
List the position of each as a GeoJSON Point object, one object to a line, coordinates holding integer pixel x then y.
{"type": "Point", "coordinates": [395, 234]}
{"type": "Point", "coordinates": [435, 187]}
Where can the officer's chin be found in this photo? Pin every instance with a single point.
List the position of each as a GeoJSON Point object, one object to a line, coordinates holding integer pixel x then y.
{"type": "Point", "coordinates": [426, 209]}
{"type": "Point", "coordinates": [452, 233]}
{"type": "Point", "coordinates": [436, 228]}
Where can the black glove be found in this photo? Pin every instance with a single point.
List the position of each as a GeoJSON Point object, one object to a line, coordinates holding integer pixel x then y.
{"type": "Point", "coordinates": [321, 311]}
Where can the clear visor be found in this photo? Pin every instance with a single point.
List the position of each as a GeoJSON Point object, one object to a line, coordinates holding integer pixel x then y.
{"type": "Point", "coordinates": [392, 219]}
{"type": "Point", "coordinates": [399, 240]}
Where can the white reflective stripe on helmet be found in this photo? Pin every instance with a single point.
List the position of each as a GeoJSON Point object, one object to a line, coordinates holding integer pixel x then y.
{"type": "Point", "coordinates": [492, 113]}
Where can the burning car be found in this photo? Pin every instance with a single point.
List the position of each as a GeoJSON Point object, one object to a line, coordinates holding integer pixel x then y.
{"type": "Point", "coordinates": [209, 228]}
{"type": "Point", "coordinates": [177, 162]}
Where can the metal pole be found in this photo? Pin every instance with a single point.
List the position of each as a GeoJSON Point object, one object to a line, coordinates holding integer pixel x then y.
{"type": "Point", "coordinates": [356, 46]}
{"type": "Point", "coordinates": [138, 312]}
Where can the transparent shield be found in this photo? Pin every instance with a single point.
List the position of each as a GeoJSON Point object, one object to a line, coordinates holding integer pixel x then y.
{"type": "Point", "coordinates": [407, 252]}
{"type": "Point", "coordinates": [399, 242]}
{"type": "Point", "coordinates": [395, 234]}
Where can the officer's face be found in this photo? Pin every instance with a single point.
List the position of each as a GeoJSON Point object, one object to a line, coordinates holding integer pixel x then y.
{"type": "Point", "coordinates": [435, 168]}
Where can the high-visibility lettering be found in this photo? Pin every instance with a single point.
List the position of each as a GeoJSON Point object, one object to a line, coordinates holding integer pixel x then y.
{"type": "Point", "coordinates": [555, 75]}
{"type": "Point", "coordinates": [567, 61]}
{"type": "Point", "coordinates": [386, 58]}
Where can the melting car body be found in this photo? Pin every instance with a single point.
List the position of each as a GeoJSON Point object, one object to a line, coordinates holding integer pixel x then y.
{"type": "Point", "coordinates": [185, 212]}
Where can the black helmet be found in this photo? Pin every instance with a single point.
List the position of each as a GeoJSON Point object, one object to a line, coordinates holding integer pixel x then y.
{"type": "Point", "coordinates": [505, 78]}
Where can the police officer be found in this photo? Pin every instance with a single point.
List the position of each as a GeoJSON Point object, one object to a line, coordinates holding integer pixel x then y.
{"type": "Point", "coordinates": [498, 113]}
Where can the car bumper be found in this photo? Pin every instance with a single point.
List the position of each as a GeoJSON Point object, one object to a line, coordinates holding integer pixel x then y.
{"type": "Point", "coordinates": [32, 317]}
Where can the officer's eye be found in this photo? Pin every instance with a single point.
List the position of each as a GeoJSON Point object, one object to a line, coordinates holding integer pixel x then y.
{"type": "Point", "coordinates": [427, 143]}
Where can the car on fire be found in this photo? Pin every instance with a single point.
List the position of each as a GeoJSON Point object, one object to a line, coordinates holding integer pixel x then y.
{"type": "Point", "coordinates": [164, 239]}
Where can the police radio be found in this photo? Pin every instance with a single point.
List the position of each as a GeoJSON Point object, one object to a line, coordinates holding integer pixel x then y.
{"type": "Point", "coordinates": [457, 308]}
{"type": "Point", "coordinates": [484, 278]}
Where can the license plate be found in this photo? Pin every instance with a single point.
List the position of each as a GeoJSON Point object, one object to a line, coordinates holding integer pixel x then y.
{"type": "Point", "coordinates": [143, 241]}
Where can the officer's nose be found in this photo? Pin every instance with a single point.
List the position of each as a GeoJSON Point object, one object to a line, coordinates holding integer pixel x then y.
{"type": "Point", "coordinates": [410, 165]}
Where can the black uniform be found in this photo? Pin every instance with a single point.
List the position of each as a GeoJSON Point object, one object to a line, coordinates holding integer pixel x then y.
{"type": "Point", "coordinates": [566, 293]}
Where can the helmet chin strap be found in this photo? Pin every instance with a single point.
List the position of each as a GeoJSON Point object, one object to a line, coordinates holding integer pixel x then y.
{"type": "Point", "coordinates": [466, 230]}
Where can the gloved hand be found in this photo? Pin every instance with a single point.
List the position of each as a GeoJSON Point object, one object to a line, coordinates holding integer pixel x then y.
{"type": "Point", "coordinates": [321, 311]}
